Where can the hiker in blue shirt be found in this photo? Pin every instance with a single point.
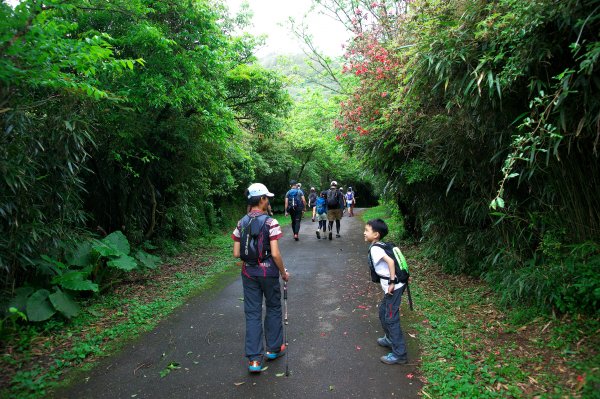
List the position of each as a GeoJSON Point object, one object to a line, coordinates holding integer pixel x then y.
{"type": "Point", "coordinates": [295, 203]}
{"type": "Point", "coordinates": [255, 242]}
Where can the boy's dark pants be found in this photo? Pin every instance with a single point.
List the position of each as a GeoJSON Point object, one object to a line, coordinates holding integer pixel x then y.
{"type": "Point", "coordinates": [389, 315]}
{"type": "Point", "coordinates": [296, 215]}
{"type": "Point", "coordinates": [254, 290]}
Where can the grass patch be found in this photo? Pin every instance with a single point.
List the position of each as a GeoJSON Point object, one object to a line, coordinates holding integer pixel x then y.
{"type": "Point", "coordinates": [37, 357]}
{"type": "Point", "coordinates": [392, 218]}
{"type": "Point", "coordinates": [473, 348]}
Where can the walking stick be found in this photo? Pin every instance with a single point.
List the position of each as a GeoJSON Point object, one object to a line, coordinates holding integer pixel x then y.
{"type": "Point", "coordinates": [410, 302]}
{"type": "Point", "coordinates": [285, 323]}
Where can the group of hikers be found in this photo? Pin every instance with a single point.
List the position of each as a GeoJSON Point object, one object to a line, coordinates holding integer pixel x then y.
{"type": "Point", "coordinates": [256, 244]}
{"type": "Point", "coordinates": [328, 206]}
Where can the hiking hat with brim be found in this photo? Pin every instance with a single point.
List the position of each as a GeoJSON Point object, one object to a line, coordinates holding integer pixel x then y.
{"type": "Point", "coordinates": [258, 190]}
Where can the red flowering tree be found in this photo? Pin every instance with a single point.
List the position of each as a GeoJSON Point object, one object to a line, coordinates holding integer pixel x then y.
{"type": "Point", "coordinates": [372, 59]}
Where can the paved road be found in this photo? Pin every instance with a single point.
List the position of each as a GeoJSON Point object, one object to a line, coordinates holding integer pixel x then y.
{"type": "Point", "coordinates": [332, 332]}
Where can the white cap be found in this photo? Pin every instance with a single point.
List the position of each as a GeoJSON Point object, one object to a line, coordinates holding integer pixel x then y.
{"type": "Point", "coordinates": [334, 183]}
{"type": "Point", "coordinates": [258, 190]}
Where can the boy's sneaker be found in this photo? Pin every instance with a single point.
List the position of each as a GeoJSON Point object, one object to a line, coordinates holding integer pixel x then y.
{"type": "Point", "coordinates": [390, 358]}
{"type": "Point", "coordinates": [255, 366]}
{"type": "Point", "coordinates": [330, 235]}
{"type": "Point", "coordinates": [384, 341]}
{"type": "Point", "coordinates": [274, 355]}
{"type": "Point", "coordinates": [318, 234]}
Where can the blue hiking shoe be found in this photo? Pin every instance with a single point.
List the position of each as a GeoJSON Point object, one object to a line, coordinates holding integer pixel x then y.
{"type": "Point", "coordinates": [274, 355]}
{"type": "Point", "coordinates": [384, 341]}
{"type": "Point", "coordinates": [390, 358]}
{"type": "Point", "coordinates": [255, 366]}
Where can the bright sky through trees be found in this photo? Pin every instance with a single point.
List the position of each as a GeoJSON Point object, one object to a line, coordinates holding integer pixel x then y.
{"type": "Point", "coordinates": [271, 18]}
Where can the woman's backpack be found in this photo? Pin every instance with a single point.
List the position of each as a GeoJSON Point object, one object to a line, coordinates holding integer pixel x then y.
{"type": "Point", "coordinates": [254, 248]}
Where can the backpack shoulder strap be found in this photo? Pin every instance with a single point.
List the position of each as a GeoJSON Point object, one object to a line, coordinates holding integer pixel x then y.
{"type": "Point", "coordinates": [245, 222]}
{"type": "Point", "coordinates": [379, 244]}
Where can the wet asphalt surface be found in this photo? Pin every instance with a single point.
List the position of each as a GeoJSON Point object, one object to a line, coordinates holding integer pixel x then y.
{"type": "Point", "coordinates": [332, 332]}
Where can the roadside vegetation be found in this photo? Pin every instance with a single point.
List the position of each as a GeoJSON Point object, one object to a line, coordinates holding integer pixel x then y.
{"type": "Point", "coordinates": [40, 356]}
{"type": "Point", "coordinates": [129, 130]}
{"type": "Point", "coordinates": [473, 345]}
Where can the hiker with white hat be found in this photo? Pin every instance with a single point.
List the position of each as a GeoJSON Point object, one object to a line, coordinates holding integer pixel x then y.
{"type": "Point", "coordinates": [255, 243]}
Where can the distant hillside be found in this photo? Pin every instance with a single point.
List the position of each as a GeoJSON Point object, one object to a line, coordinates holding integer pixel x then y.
{"type": "Point", "coordinates": [300, 74]}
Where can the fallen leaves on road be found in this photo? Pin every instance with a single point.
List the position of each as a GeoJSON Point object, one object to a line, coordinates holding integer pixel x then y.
{"type": "Point", "coordinates": [170, 367]}
{"type": "Point", "coordinates": [237, 384]}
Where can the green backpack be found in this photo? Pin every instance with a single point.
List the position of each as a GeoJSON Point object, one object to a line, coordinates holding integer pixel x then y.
{"type": "Point", "coordinates": [401, 267]}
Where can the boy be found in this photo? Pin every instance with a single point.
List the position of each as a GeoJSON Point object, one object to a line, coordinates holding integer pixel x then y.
{"type": "Point", "coordinates": [389, 309]}
{"type": "Point", "coordinates": [320, 213]}
{"type": "Point", "coordinates": [255, 242]}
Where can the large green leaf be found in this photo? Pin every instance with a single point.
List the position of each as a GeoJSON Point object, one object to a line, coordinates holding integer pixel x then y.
{"type": "Point", "coordinates": [76, 281]}
{"type": "Point", "coordinates": [147, 260]}
{"type": "Point", "coordinates": [19, 301]}
{"type": "Point", "coordinates": [39, 307]}
{"type": "Point", "coordinates": [104, 250]}
{"type": "Point", "coordinates": [81, 255]}
{"type": "Point", "coordinates": [118, 241]}
{"type": "Point", "coordinates": [124, 262]}
{"type": "Point", "coordinates": [64, 303]}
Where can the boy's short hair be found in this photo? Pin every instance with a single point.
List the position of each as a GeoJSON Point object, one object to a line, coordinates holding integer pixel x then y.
{"type": "Point", "coordinates": [379, 226]}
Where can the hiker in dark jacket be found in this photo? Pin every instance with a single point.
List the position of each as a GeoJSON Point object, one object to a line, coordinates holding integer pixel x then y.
{"type": "Point", "coordinates": [312, 197]}
{"type": "Point", "coordinates": [295, 203]}
{"type": "Point", "coordinates": [335, 207]}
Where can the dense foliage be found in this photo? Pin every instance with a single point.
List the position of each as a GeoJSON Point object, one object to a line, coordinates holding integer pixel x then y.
{"type": "Point", "coordinates": [141, 120]}
{"type": "Point", "coordinates": [485, 118]}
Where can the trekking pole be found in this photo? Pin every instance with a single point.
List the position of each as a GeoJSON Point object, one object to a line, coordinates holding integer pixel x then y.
{"type": "Point", "coordinates": [285, 322]}
{"type": "Point", "coordinates": [410, 302]}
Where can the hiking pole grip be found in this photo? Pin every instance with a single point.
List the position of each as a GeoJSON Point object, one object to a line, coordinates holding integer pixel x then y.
{"type": "Point", "coordinates": [285, 310]}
